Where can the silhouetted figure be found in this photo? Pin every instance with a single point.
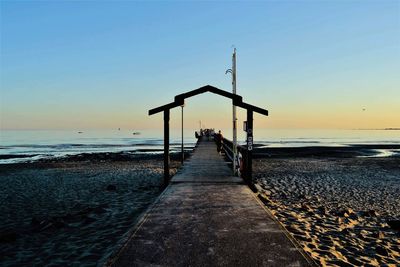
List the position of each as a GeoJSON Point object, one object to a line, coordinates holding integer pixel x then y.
{"type": "Point", "coordinates": [219, 139]}
{"type": "Point", "coordinates": [208, 134]}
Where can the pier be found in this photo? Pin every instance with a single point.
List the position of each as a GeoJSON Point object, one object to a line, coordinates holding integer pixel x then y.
{"type": "Point", "coordinates": [207, 217]}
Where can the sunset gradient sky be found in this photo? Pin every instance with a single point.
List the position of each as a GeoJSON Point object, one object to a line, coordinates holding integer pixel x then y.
{"type": "Point", "coordinates": [312, 64]}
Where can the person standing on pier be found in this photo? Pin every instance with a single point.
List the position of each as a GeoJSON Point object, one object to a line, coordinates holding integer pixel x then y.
{"type": "Point", "coordinates": [219, 139]}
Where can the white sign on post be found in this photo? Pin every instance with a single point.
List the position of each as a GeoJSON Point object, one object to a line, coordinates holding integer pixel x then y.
{"type": "Point", "coordinates": [250, 143]}
{"type": "Point", "coordinates": [249, 139]}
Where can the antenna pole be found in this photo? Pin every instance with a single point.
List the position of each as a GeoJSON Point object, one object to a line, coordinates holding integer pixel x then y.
{"type": "Point", "coordinates": [234, 118]}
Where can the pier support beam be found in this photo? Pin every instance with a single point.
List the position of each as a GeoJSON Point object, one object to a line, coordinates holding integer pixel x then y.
{"type": "Point", "coordinates": [249, 141]}
{"type": "Point", "coordinates": [166, 147]}
{"type": "Point", "coordinates": [182, 151]}
{"type": "Point", "coordinates": [237, 100]}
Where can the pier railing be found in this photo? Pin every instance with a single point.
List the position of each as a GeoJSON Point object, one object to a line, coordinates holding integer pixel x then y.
{"type": "Point", "coordinates": [245, 170]}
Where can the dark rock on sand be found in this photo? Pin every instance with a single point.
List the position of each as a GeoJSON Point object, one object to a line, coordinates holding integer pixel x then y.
{"type": "Point", "coordinates": [46, 225]}
{"type": "Point", "coordinates": [346, 231]}
{"type": "Point", "coordinates": [369, 213]}
{"type": "Point", "coordinates": [89, 220]}
{"type": "Point", "coordinates": [84, 212]}
{"type": "Point", "coordinates": [293, 228]}
{"type": "Point", "coordinates": [263, 199]}
{"type": "Point", "coordinates": [39, 225]}
{"type": "Point", "coordinates": [9, 156]}
{"type": "Point", "coordinates": [378, 235]}
{"type": "Point", "coordinates": [355, 261]}
{"type": "Point", "coordinates": [344, 212]}
{"type": "Point", "coordinates": [111, 187]}
{"type": "Point", "coordinates": [71, 218]}
{"type": "Point", "coordinates": [322, 209]}
{"type": "Point", "coordinates": [35, 222]}
{"type": "Point", "coordinates": [305, 207]}
{"type": "Point", "coordinates": [394, 224]}
{"type": "Point", "coordinates": [58, 222]}
{"type": "Point", "coordinates": [381, 251]}
{"type": "Point", "coordinates": [8, 236]}
{"type": "Point", "coordinates": [100, 210]}
{"type": "Point", "coordinates": [373, 213]}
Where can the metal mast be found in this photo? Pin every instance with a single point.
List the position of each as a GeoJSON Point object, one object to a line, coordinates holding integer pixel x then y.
{"type": "Point", "coordinates": [234, 118]}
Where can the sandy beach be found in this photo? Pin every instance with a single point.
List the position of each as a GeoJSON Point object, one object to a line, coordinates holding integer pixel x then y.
{"type": "Point", "coordinates": [342, 207]}
{"type": "Point", "coordinates": [74, 211]}
{"type": "Point", "coordinates": [344, 211]}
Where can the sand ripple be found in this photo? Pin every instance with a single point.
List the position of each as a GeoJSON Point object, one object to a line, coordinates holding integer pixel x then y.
{"type": "Point", "coordinates": [72, 213]}
{"type": "Point", "coordinates": [338, 209]}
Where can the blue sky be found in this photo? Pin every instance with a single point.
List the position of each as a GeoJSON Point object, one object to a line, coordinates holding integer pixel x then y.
{"type": "Point", "coordinates": [313, 64]}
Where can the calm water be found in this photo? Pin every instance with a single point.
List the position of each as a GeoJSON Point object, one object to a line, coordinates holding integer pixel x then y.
{"type": "Point", "coordinates": [59, 143]}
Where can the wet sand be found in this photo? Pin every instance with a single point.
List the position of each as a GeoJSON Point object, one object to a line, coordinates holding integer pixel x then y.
{"type": "Point", "coordinates": [343, 211]}
{"type": "Point", "coordinates": [73, 211]}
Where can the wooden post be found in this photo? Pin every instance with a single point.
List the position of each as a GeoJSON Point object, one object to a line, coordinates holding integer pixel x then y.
{"type": "Point", "coordinates": [182, 151]}
{"type": "Point", "coordinates": [166, 147]}
{"type": "Point", "coordinates": [249, 140]}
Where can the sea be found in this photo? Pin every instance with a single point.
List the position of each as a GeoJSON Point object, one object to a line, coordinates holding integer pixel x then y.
{"type": "Point", "coordinates": [17, 146]}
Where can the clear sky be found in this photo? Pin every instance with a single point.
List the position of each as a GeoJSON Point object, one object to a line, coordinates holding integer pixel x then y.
{"type": "Point", "coordinates": [100, 64]}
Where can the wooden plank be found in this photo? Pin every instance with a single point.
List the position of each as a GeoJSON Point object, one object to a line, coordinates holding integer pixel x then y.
{"type": "Point", "coordinates": [165, 107]}
{"type": "Point", "coordinates": [237, 100]}
{"type": "Point", "coordinates": [254, 108]}
{"type": "Point", "coordinates": [211, 89]}
{"type": "Point", "coordinates": [166, 146]}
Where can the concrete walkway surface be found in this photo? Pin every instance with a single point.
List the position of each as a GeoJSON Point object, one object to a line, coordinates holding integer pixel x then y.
{"type": "Point", "coordinates": [207, 217]}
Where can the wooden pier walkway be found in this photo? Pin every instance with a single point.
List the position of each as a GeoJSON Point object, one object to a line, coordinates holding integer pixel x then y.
{"type": "Point", "coordinates": [207, 217]}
